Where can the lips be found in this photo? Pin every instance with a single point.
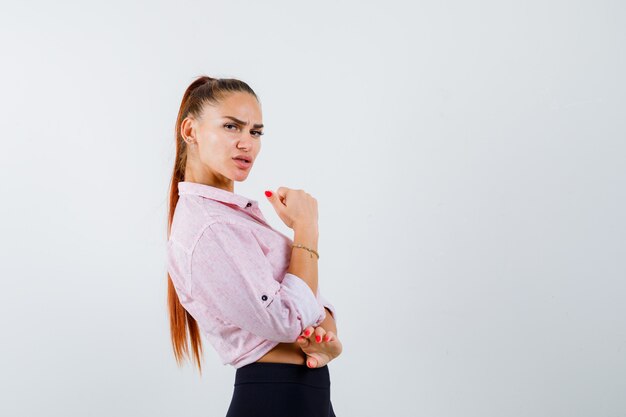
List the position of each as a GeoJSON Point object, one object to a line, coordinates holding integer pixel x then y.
{"type": "Point", "coordinates": [243, 157]}
{"type": "Point", "coordinates": [242, 163]}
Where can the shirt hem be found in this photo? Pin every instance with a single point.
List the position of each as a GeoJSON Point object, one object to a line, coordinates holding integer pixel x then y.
{"type": "Point", "coordinates": [258, 354]}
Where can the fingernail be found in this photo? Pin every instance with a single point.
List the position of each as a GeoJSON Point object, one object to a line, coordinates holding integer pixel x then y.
{"type": "Point", "coordinates": [310, 364]}
{"type": "Point", "coordinates": [318, 338]}
{"type": "Point", "coordinates": [268, 193]}
{"type": "Point", "coordinates": [307, 332]}
{"type": "Point", "coordinates": [326, 338]}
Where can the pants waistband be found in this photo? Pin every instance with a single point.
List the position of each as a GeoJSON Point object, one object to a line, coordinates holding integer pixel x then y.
{"type": "Point", "coordinates": [264, 372]}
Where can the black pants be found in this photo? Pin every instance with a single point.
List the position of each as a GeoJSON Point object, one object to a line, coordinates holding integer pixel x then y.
{"type": "Point", "coordinates": [281, 389]}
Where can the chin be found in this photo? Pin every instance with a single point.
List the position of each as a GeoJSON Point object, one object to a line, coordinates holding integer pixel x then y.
{"type": "Point", "coordinates": [240, 176]}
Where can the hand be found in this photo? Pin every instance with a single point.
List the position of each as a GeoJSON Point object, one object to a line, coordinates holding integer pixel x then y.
{"type": "Point", "coordinates": [296, 208]}
{"type": "Point", "coordinates": [322, 352]}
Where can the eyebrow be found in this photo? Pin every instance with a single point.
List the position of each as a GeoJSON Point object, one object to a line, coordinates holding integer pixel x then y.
{"type": "Point", "coordinates": [256, 126]}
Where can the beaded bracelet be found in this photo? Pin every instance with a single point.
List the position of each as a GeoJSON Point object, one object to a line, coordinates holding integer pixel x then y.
{"type": "Point", "coordinates": [309, 249]}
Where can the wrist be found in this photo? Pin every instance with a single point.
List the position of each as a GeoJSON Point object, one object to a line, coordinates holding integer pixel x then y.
{"type": "Point", "coordinates": [306, 227]}
{"type": "Point", "coordinates": [307, 236]}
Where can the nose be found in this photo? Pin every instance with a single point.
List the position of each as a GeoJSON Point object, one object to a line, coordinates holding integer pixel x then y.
{"type": "Point", "coordinates": [245, 141]}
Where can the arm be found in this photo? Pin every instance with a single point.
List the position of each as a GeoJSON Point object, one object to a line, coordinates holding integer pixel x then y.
{"type": "Point", "coordinates": [329, 323]}
{"type": "Point", "coordinates": [304, 264]}
{"type": "Point", "coordinates": [232, 279]}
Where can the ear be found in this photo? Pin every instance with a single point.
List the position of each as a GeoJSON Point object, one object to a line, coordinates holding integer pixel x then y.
{"type": "Point", "coordinates": [188, 130]}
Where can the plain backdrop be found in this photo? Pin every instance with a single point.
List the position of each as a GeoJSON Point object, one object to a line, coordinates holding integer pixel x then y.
{"type": "Point", "coordinates": [468, 158]}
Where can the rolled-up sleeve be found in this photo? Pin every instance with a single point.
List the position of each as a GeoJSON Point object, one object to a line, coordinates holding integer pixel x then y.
{"type": "Point", "coordinates": [234, 279]}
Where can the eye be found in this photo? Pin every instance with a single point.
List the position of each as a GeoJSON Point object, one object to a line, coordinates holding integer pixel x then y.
{"type": "Point", "coordinates": [230, 124]}
{"type": "Point", "coordinates": [258, 132]}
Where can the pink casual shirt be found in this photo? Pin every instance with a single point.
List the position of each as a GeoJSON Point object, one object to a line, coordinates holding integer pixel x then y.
{"type": "Point", "coordinates": [229, 268]}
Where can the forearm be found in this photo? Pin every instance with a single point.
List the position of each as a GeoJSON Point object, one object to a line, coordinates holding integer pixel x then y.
{"type": "Point", "coordinates": [303, 263]}
{"type": "Point", "coordinates": [329, 323]}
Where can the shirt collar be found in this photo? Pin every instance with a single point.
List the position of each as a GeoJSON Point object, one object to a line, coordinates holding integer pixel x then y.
{"type": "Point", "coordinates": [214, 193]}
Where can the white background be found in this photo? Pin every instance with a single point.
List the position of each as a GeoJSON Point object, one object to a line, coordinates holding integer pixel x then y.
{"type": "Point", "coordinates": [469, 163]}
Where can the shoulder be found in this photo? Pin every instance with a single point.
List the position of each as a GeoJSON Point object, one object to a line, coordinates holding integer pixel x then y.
{"type": "Point", "coordinates": [226, 232]}
{"type": "Point", "coordinates": [195, 217]}
{"type": "Point", "coordinates": [222, 231]}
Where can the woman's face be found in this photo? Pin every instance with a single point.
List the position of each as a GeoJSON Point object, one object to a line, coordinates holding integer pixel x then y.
{"type": "Point", "coordinates": [223, 132]}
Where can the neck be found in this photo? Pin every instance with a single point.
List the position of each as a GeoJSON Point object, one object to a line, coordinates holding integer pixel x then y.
{"type": "Point", "coordinates": [209, 178]}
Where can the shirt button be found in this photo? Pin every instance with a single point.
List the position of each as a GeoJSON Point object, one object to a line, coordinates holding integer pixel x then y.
{"type": "Point", "coordinates": [249, 204]}
{"type": "Point", "coordinates": [264, 297]}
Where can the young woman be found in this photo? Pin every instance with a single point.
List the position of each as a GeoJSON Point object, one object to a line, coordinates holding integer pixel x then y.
{"type": "Point", "coordinates": [252, 291]}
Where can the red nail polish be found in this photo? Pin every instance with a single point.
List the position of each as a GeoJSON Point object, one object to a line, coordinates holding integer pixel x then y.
{"type": "Point", "coordinates": [307, 332]}
{"type": "Point", "coordinates": [318, 338]}
{"type": "Point", "coordinates": [268, 193]}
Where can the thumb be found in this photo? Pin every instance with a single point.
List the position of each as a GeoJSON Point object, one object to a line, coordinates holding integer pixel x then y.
{"type": "Point", "coordinates": [311, 362]}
